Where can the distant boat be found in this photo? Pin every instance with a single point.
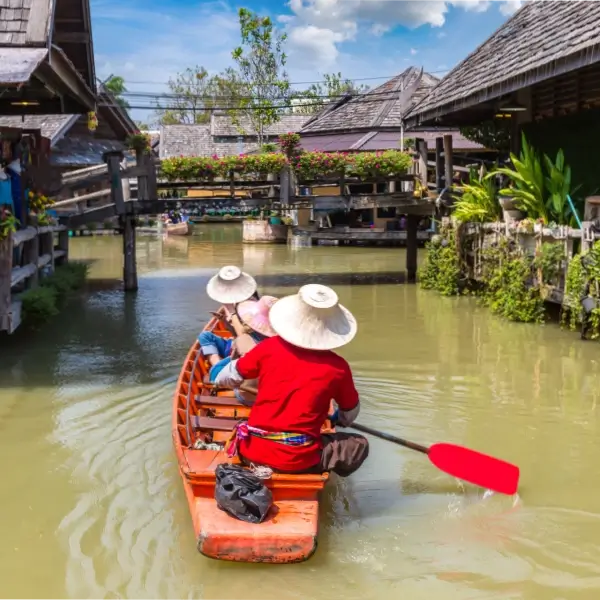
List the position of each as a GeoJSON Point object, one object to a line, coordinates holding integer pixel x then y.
{"type": "Point", "coordinates": [181, 228]}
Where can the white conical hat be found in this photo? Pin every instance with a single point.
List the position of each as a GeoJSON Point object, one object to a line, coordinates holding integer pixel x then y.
{"type": "Point", "coordinates": [231, 285]}
{"type": "Point", "coordinates": [313, 318]}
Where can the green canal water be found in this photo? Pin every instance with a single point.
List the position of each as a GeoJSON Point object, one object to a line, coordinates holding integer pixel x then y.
{"type": "Point", "coordinates": [91, 504]}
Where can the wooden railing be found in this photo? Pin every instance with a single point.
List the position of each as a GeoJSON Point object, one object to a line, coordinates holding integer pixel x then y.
{"type": "Point", "coordinates": [23, 257]}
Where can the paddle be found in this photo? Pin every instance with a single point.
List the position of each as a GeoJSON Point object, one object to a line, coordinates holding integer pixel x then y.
{"type": "Point", "coordinates": [469, 465]}
{"type": "Point", "coordinates": [472, 466]}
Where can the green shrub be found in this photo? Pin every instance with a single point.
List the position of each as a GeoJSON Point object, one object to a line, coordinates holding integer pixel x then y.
{"type": "Point", "coordinates": [66, 279]}
{"type": "Point", "coordinates": [91, 226]}
{"type": "Point", "coordinates": [151, 222]}
{"type": "Point", "coordinates": [441, 269]}
{"type": "Point", "coordinates": [108, 224]}
{"type": "Point", "coordinates": [39, 305]}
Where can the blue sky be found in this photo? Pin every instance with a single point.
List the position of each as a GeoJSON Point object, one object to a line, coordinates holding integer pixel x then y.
{"type": "Point", "coordinates": [147, 41]}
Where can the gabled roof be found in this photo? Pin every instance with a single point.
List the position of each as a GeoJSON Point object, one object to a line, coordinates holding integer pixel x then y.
{"type": "Point", "coordinates": [51, 126]}
{"type": "Point", "coordinates": [196, 140]}
{"type": "Point", "coordinates": [381, 107]}
{"type": "Point", "coordinates": [223, 125]}
{"type": "Point", "coordinates": [541, 40]}
{"type": "Point", "coordinates": [52, 38]}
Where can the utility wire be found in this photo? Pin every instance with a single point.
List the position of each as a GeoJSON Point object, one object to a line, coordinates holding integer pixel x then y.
{"type": "Point", "coordinates": [288, 97]}
{"type": "Point", "coordinates": [299, 82]}
{"type": "Point", "coordinates": [244, 108]}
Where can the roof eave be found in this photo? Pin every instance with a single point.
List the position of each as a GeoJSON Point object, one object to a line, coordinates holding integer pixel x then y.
{"type": "Point", "coordinates": [59, 65]}
{"type": "Point", "coordinates": [575, 61]}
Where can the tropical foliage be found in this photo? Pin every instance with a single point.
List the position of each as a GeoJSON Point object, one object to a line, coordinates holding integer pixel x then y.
{"type": "Point", "coordinates": [538, 185]}
{"type": "Point", "coordinates": [477, 201]}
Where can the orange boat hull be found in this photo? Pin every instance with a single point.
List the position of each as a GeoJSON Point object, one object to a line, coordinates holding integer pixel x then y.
{"type": "Point", "coordinates": [204, 415]}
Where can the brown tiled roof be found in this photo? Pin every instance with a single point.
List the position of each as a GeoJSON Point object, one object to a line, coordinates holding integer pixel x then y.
{"type": "Point", "coordinates": [222, 125]}
{"type": "Point", "coordinates": [378, 108]}
{"type": "Point", "coordinates": [540, 41]}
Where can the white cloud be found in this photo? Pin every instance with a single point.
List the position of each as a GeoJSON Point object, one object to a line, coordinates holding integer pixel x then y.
{"type": "Point", "coordinates": [339, 21]}
{"type": "Point", "coordinates": [413, 51]}
{"type": "Point", "coordinates": [509, 7]}
{"type": "Point", "coordinates": [316, 45]}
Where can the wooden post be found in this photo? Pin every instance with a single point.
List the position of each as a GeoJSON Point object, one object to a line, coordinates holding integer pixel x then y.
{"type": "Point", "coordinates": [6, 252]}
{"type": "Point", "coordinates": [31, 250]}
{"type": "Point", "coordinates": [142, 180]}
{"type": "Point", "coordinates": [439, 164]}
{"type": "Point", "coordinates": [412, 222]}
{"type": "Point", "coordinates": [284, 187]}
{"type": "Point", "coordinates": [152, 179]}
{"type": "Point", "coordinates": [448, 161]}
{"type": "Point", "coordinates": [63, 244]}
{"type": "Point", "coordinates": [422, 150]}
{"type": "Point", "coordinates": [113, 161]}
{"type": "Point", "coordinates": [130, 281]}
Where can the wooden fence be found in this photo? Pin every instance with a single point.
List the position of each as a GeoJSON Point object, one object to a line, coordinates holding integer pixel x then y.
{"type": "Point", "coordinates": [24, 257]}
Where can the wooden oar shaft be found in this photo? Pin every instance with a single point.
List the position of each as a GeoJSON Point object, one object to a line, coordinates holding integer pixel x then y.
{"type": "Point", "coordinates": [390, 438]}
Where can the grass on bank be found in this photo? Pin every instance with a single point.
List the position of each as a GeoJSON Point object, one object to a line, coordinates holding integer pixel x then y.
{"type": "Point", "coordinates": [44, 302]}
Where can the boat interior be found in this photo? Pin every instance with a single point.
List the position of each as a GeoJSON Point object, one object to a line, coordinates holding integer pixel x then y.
{"type": "Point", "coordinates": [204, 424]}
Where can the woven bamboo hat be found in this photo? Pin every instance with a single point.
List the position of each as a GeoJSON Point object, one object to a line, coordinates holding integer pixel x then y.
{"type": "Point", "coordinates": [231, 285]}
{"type": "Point", "coordinates": [313, 319]}
{"type": "Point", "coordinates": [255, 314]}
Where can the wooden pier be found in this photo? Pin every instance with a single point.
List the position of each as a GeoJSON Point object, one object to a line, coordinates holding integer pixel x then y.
{"type": "Point", "coordinates": [24, 255]}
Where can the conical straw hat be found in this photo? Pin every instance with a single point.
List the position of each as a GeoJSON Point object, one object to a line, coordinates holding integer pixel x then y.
{"type": "Point", "coordinates": [313, 319]}
{"type": "Point", "coordinates": [230, 286]}
{"type": "Point", "coordinates": [255, 314]}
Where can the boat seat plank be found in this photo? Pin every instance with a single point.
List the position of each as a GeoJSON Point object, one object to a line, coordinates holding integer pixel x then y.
{"type": "Point", "coordinates": [214, 424]}
{"type": "Point", "coordinates": [218, 400]}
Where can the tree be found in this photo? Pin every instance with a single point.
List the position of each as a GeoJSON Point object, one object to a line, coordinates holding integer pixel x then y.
{"type": "Point", "coordinates": [331, 88]}
{"type": "Point", "coordinates": [116, 86]}
{"type": "Point", "coordinates": [188, 98]}
{"type": "Point", "coordinates": [263, 82]}
{"type": "Point", "coordinates": [493, 134]}
{"type": "Point", "coordinates": [142, 126]}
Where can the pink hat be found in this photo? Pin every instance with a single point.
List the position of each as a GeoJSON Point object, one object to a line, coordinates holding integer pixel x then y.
{"type": "Point", "coordinates": [255, 314]}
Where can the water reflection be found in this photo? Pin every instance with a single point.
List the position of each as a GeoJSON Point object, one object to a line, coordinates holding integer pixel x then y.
{"type": "Point", "coordinates": [92, 497]}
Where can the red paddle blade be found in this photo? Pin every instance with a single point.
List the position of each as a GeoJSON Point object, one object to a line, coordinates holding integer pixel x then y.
{"type": "Point", "coordinates": [477, 468]}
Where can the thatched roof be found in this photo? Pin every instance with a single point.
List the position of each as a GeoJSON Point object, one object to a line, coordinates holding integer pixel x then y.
{"type": "Point", "coordinates": [50, 126]}
{"type": "Point", "coordinates": [223, 126]}
{"type": "Point", "coordinates": [379, 108]}
{"type": "Point", "coordinates": [541, 40]}
{"type": "Point", "coordinates": [196, 140]}
{"type": "Point", "coordinates": [52, 36]}
{"type": "Point", "coordinates": [220, 137]}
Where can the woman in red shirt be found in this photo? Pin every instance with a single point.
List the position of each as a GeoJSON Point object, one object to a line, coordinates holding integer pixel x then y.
{"type": "Point", "coordinates": [299, 375]}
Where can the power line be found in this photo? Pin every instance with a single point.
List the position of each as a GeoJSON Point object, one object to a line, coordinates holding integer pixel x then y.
{"type": "Point", "coordinates": [245, 108]}
{"type": "Point", "coordinates": [298, 82]}
{"type": "Point", "coordinates": [287, 97]}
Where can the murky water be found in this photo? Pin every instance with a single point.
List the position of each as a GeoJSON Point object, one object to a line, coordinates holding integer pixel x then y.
{"type": "Point", "coordinates": [91, 502]}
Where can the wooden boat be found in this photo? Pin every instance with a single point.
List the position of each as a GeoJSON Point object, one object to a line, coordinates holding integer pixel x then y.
{"type": "Point", "coordinates": [182, 228]}
{"type": "Point", "coordinates": [204, 415]}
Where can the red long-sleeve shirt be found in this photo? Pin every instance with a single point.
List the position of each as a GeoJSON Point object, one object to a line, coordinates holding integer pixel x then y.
{"type": "Point", "coordinates": [295, 388]}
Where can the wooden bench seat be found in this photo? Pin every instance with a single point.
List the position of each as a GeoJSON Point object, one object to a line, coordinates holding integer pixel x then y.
{"type": "Point", "coordinates": [214, 424]}
{"type": "Point", "coordinates": [225, 401]}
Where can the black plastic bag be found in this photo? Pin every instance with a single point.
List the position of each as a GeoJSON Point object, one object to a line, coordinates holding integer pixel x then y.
{"type": "Point", "coordinates": [241, 494]}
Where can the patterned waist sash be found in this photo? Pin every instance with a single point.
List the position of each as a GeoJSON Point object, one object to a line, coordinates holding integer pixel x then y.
{"type": "Point", "coordinates": [243, 431]}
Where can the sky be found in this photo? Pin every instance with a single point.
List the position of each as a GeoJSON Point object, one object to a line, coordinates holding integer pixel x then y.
{"type": "Point", "coordinates": [148, 41]}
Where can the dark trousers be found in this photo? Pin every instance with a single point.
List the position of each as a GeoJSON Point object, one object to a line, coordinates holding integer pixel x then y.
{"type": "Point", "coordinates": [343, 454]}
